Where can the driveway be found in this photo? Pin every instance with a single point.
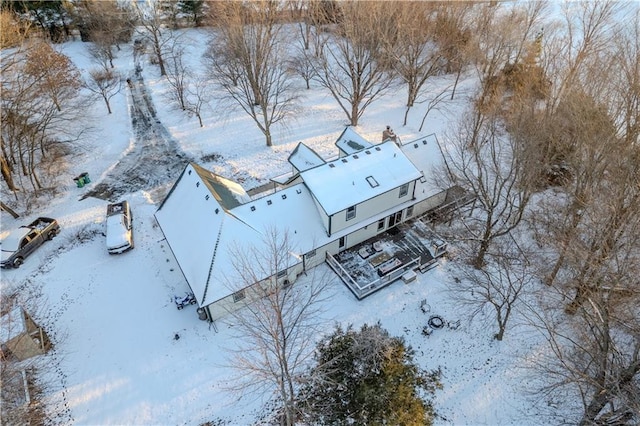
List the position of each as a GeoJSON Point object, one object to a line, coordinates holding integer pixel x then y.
{"type": "Point", "coordinates": [155, 161]}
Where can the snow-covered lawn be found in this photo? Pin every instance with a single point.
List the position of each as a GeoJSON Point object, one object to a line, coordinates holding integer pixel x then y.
{"type": "Point", "coordinates": [113, 321]}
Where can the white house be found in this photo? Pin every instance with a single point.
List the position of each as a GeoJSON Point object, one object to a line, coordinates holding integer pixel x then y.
{"type": "Point", "coordinates": [321, 206]}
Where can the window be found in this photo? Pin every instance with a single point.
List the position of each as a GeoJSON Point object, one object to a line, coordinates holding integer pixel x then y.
{"type": "Point", "coordinates": [238, 296]}
{"type": "Point", "coordinates": [282, 273]}
{"type": "Point", "coordinates": [351, 212]}
{"type": "Point", "coordinates": [311, 254]}
{"type": "Point", "coordinates": [372, 181]}
{"type": "Point", "coordinates": [409, 211]}
{"type": "Point", "coordinates": [404, 190]}
{"type": "Point", "coordinates": [381, 224]}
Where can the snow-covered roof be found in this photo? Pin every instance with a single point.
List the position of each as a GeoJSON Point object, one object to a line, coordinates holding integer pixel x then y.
{"type": "Point", "coordinates": [228, 193]}
{"type": "Point", "coordinates": [196, 227]}
{"type": "Point", "coordinates": [206, 236]}
{"type": "Point", "coordinates": [290, 211]}
{"type": "Point", "coordinates": [425, 154]}
{"type": "Point", "coordinates": [12, 324]}
{"type": "Point", "coordinates": [304, 158]}
{"type": "Point", "coordinates": [353, 179]}
{"type": "Point", "coordinates": [351, 142]}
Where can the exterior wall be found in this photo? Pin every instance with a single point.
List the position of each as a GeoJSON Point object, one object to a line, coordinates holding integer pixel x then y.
{"type": "Point", "coordinates": [370, 208]}
{"type": "Point", "coordinates": [323, 216]}
{"type": "Point", "coordinates": [320, 255]}
{"type": "Point", "coordinates": [226, 305]}
{"type": "Point", "coordinates": [360, 235]}
{"type": "Point", "coordinates": [429, 203]}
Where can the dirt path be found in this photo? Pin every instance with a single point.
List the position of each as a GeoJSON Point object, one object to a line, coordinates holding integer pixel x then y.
{"type": "Point", "coordinates": [155, 160]}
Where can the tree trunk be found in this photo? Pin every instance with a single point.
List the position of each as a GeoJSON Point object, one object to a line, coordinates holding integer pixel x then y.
{"type": "Point", "coordinates": [603, 396]}
{"type": "Point", "coordinates": [106, 101]}
{"type": "Point", "coordinates": [354, 114]}
{"type": "Point", "coordinates": [6, 174]}
{"type": "Point", "coordinates": [455, 84]}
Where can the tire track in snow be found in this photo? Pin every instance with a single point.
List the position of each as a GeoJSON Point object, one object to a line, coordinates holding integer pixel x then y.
{"type": "Point", "coordinates": [155, 160]}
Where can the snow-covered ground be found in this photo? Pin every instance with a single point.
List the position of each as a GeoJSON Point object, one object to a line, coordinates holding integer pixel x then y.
{"type": "Point", "coordinates": [116, 359]}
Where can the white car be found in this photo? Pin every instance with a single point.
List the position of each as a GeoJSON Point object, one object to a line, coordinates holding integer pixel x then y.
{"type": "Point", "coordinates": [119, 228]}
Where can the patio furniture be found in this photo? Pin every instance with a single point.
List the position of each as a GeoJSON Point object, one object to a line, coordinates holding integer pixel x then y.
{"type": "Point", "coordinates": [379, 259]}
{"type": "Point", "coordinates": [409, 276]}
{"type": "Point", "coordinates": [364, 252]}
{"type": "Point", "coordinates": [388, 266]}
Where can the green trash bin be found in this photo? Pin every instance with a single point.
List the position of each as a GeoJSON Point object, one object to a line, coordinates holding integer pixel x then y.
{"type": "Point", "coordinates": [85, 177]}
{"type": "Point", "coordinates": [79, 181]}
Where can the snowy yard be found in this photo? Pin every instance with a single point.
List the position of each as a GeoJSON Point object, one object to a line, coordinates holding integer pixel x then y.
{"type": "Point", "coordinates": [125, 355]}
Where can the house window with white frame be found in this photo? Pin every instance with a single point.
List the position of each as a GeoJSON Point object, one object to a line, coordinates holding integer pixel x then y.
{"type": "Point", "coordinates": [238, 296]}
{"type": "Point", "coordinates": [282, 273]}
{"type": "Point", "coordinates": [409, 211]}
{"type": "Point", "coordinates": [311, 254]}
{"type": "Point", "coordinates": [351, 212]}
{"type": "Point", "coordinates": [381, 223]}
{"type": "Point", "coordinates": [404, 190]}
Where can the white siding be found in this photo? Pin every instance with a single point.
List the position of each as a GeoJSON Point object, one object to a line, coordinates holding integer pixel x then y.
{"type": "Point", "coordinates": [222, 307]}
{"type": "Point", "coordinates": [370, 208]}
{"type": "Point", "coordinates": [429, 203]}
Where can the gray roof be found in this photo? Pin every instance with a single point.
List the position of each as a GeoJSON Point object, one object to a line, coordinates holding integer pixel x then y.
{"type": "Point", "coordinates": [227, 192]}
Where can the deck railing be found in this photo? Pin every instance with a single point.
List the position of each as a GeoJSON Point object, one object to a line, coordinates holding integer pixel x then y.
{"type": "Point", "coordinates": [362, 291]}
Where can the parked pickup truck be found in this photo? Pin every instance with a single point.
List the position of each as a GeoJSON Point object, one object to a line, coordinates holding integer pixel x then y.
{"type": "Point", "coordinates": [23, 241]}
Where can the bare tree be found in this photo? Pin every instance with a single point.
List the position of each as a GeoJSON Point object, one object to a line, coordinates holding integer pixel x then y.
{"type": "Point", "coordinates": [453, 37]}
{"type": "Point", "coordinates": [433, 104]}
{"type": "Point", "coordinates": [594, 358]}
{"type": "Point", "coordinates": [151, 18]}
{"type": "Point", "coordinates": [500, 286]}
{"type": "Point", "coordinates": [189, 92]}
{"type": "Point", "coordinates": [177, 76]}
{"type": "Point", "coordinates": [40, 96]}
{"type": "Point", "coordinates": [587, 31]}
{"type": "Point", "coordinates": [248, 62]}
{"type": "Point", "coordinates": [492, 170]}
{"type": "Point", "coordinates": [275, 327]}
{"type": "Point", "coordinates": [415, 56]}
{"type": "Point", "coordinates": [53, 73]}
{"type": "Point", "coordinates": [198, 98]}
{"type": "Point", "coordinates": [299, 64]}
{"type": "Point", "coordinates": [106, 23]}
{"type": "Point", "coordinates": [350, 61]}
{"type": "Point", "coordinates": [105, 83]}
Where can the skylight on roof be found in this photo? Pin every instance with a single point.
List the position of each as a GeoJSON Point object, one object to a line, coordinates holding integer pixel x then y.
{"type": "Point", "coordinates": [372, 181]}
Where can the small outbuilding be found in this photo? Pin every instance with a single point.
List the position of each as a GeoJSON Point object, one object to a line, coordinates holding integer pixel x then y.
{"type": "Point", "coordinates": [21, 336]}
